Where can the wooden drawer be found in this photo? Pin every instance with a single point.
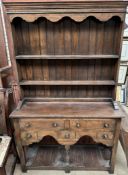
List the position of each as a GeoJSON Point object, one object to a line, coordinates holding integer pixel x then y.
{"type": "Point", "coordinates": [28, 137]}
{"type": "Point", "coordinates": [105, 135]}
{"type": "Point", "coordinates": [66, 135]}
{"type": "Point", "coordinates": [106, 124]}
{"type": "Point", "coordinates": [60, 136]}
{"type": "Point", "coordinates": [99, 136]}
{"type": "Point", "coordinates": [101, 130]}
{"type": "Point", "coordinates": [41, 124]}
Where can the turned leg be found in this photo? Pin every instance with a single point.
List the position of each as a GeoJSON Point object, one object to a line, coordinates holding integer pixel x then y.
{"type": "Point", "coordinates": [67, 168]}
{"type": "Point", "coordinates": [2, 171]}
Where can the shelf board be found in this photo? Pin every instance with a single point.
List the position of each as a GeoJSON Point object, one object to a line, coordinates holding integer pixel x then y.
{"type": "Point", "coordinates": [24, 57]}
{"type": "Point", "coordinates": [65, 82]}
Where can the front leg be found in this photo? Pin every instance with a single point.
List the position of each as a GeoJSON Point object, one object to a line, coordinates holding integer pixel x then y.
{"type": "Point", "coordinates": [19, 145]}
{"type": "Point", "coordinates": [114, 148]}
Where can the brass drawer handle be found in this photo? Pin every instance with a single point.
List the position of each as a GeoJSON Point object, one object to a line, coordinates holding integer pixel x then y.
{"type": "Point", "coordinates": [67, 136]}
{"type": "Point", "coordinates": [78, 125]}
{"type": "Point", "coordinates": [28, 136]}
{"type": "Point", "coordinates": [54, 124]}
{"type": "Point", "coordinates": [106, 125]}
{"type": "Point", "coordinates": [105, 136]}
{"type": "Point", "coordinates": [27, 125]}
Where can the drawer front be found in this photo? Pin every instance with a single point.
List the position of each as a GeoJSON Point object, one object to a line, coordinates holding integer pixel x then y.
{"type": "Point", "coordinates": [66, 134]}
{"type": "Point", "coordinates": [57, 124]}
{"type": "Point", "coordinates": [106, 124]}
{"type": "Point", "coordinates": [63, 137]}
{"type": "Point", "coordinates": [41, 124]}
{"type": "Point", "coordinates": [67, 131]}
{"type": "Point", "coordinates": [105, 135]}
{"type": "Point", "coordinates": [99, 136]}
{"type": "Point", "coordinates": [28, 137]}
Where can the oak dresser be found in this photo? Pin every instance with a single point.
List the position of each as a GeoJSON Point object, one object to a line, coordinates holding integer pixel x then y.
{"type": "Point", "coordinates": [65, 57]}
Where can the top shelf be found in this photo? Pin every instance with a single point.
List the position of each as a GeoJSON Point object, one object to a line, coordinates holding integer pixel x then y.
{"type": "Point", "coordinates": [26, 57]}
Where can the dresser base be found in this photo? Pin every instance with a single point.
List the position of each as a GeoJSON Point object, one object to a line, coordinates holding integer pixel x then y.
{"type": "Point", "coordinates": [67, 121]}
{"type": "Point", "coordinates": [81, 157]}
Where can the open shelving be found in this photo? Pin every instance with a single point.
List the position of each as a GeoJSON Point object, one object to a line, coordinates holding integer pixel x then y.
{"type": "Point", "coordinates": [87, 82]}
{"type": "Point", "coordinates": [66, 58]}
{"type": "Point", "coordinates": [25, 57]}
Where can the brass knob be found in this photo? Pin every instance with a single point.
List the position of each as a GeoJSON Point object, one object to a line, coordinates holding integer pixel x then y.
{"type": "Point", "coordinates": [78, 125]}
{"type": "Point", "coordinates": [67, 136]}
{"type": "Point", "coordinates": [54, 124]}
{"type": "Point", "coordinates": [105, 136]}
{"type": "Point", "coordinates": [28, 136]}
{"type": "Point", "coordinates": [106, 125]}
{"type": "Point", "coordinates": [27, 125]}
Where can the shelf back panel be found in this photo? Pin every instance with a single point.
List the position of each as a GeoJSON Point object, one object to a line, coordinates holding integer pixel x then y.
{"type": "Point", "coordinates": [46, 70]}
{"type": "Point", "coordinates": [68, 91]}
{"type": "Point", "coordinates": [66, 37]}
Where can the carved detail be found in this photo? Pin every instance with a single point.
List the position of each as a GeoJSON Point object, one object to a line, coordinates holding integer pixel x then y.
{"type": "Point", "coordinates": [68, 141]}
{"type": "Point", "coordinates": [57, 17]}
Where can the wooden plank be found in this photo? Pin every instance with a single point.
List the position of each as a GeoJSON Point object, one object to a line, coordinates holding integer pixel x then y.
{"type": "Point", "coordinates": [73, 109]}
{"type": "Point", "coordinates": [25, 38]}
{"type": "Point", "coordinates": [17, 35]}
{"type": "Point", "coordinates": [36, 99]}
{"type": "Point", "coordinates": [74, 50]}
{"type": "Point", "coordinates": [43, 50]}
{"type": "Point", "coordinates": [59, 49]}
{"type": "Point", "coordinates": [108, 48]}
{"type": "Point", "coordinates": [23, 70]}
{"type": "Point", "coordinates": [92, 50]}
{"type": "Point", "coordinates": [67, 51]}
{"type": "Point", "coordinates": [57, 82]}
{"type": "Point", "coordinates": [18, 57]}
{"type": "Point", "coordinates": [42, 36]}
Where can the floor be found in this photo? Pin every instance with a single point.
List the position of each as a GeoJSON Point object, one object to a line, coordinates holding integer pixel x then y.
{"type": "Point", "coordinates": [120, 169]}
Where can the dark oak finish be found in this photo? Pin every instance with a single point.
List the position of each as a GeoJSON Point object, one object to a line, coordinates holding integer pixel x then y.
{"type": "Point", "coordinates": [66, 66]}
